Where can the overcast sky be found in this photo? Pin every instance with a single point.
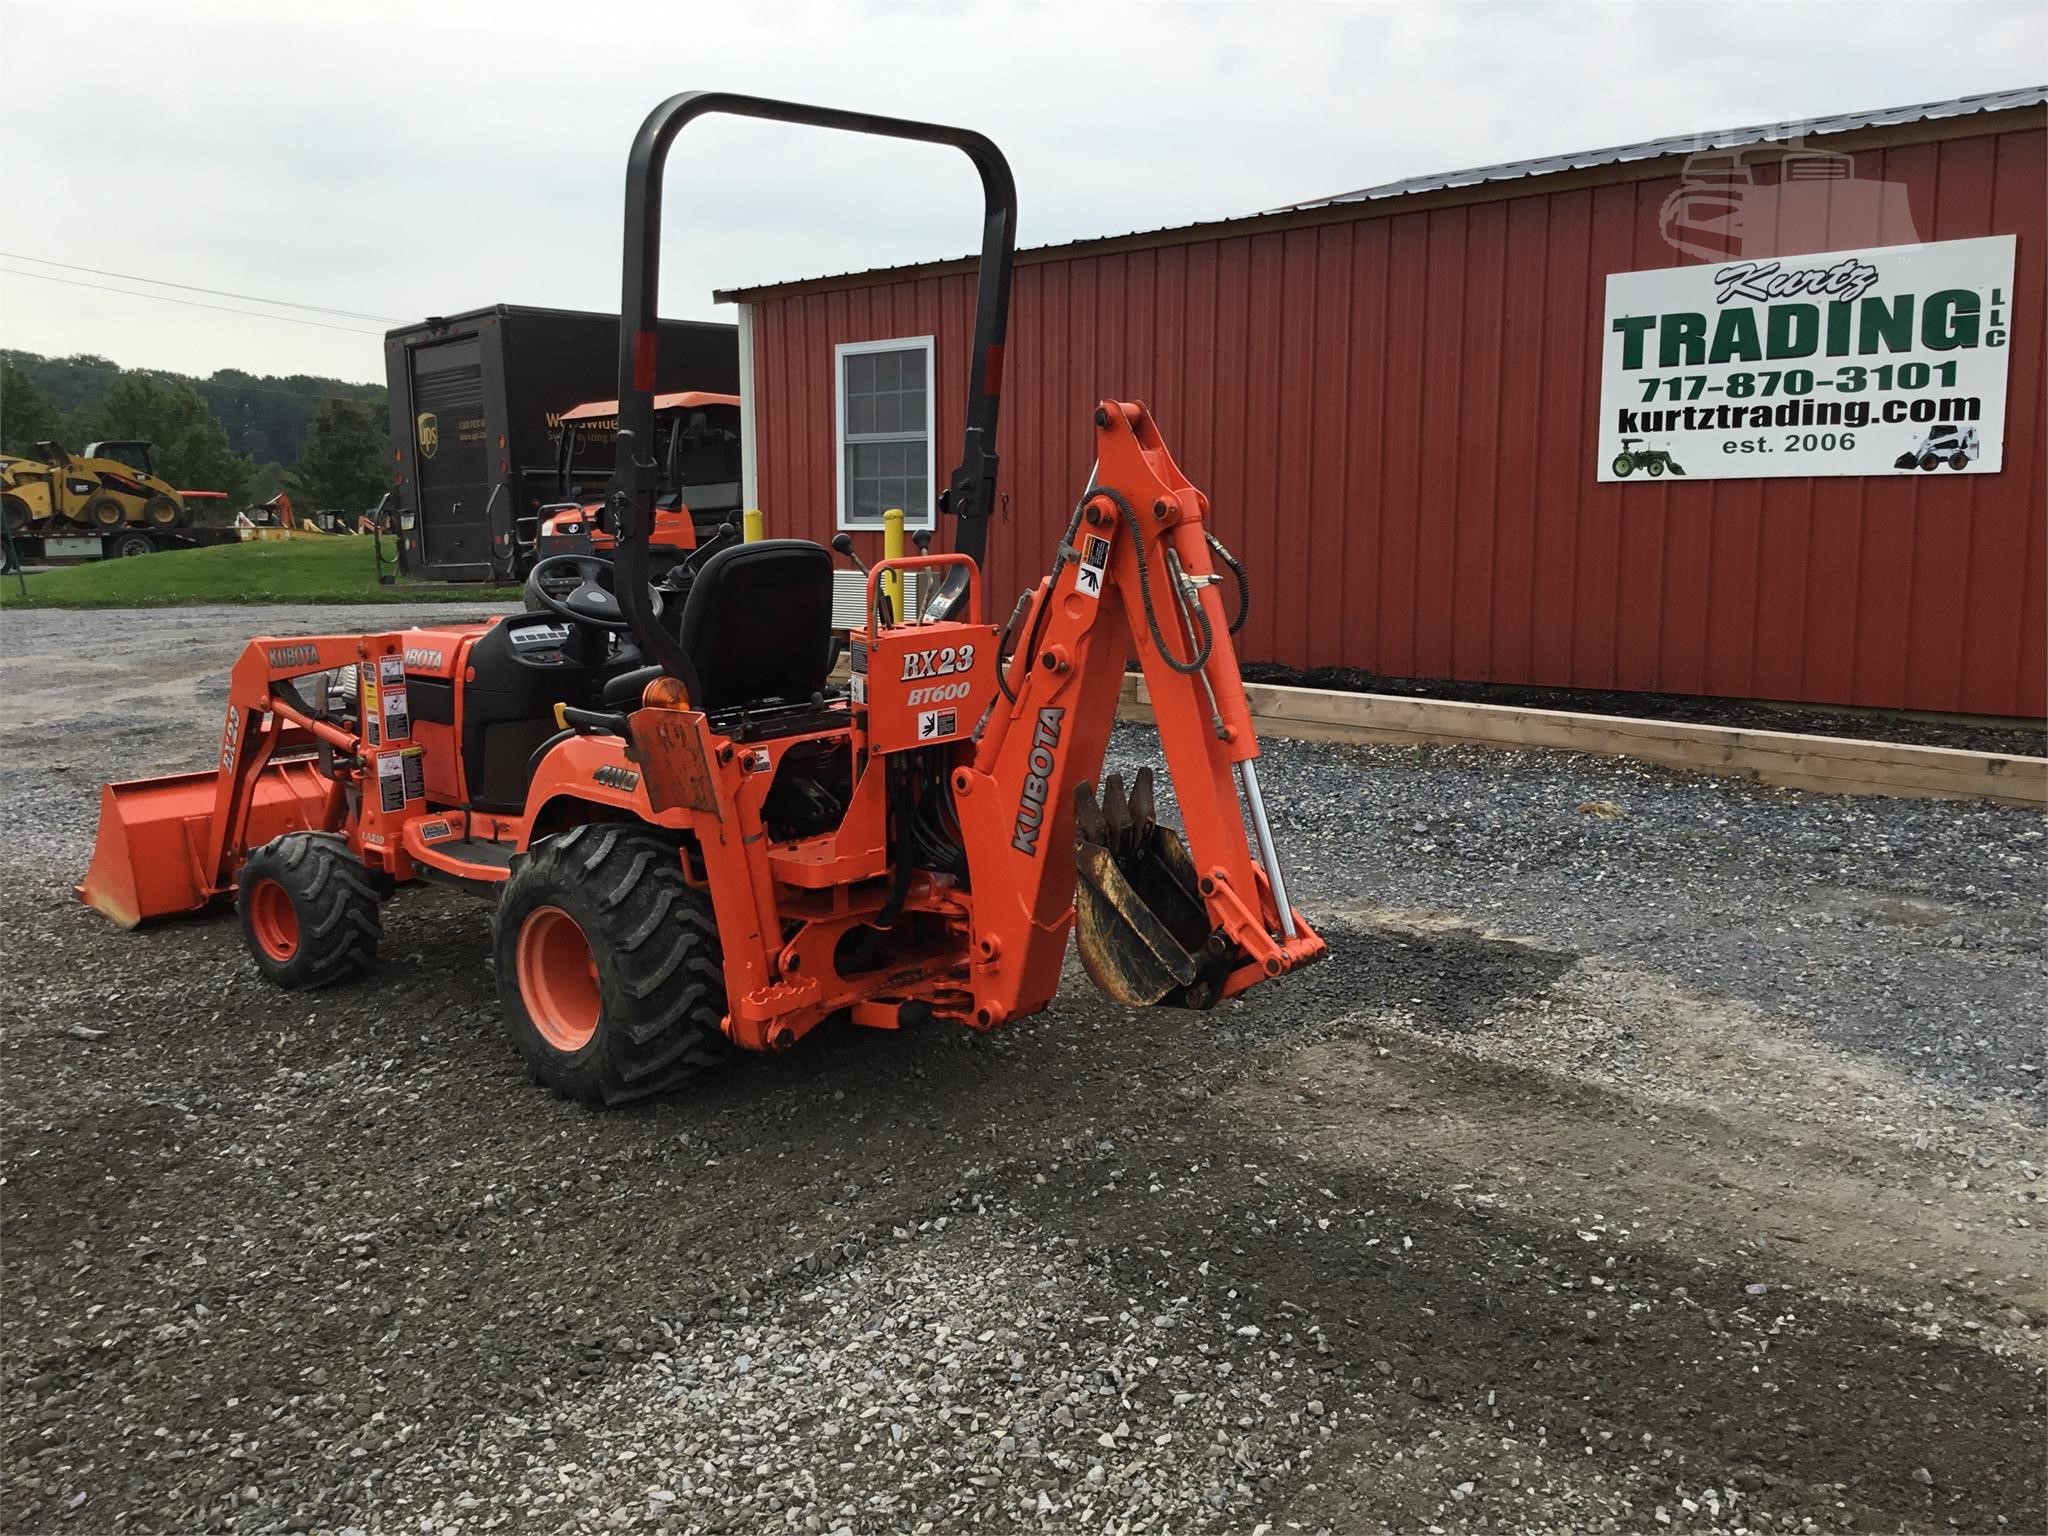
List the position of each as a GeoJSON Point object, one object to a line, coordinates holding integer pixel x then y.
{"type": "Point", "coordinates": [402, 160]}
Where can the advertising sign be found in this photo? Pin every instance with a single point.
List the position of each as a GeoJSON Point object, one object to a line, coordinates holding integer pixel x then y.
{"type": "Point", "coordinates": [1875, 362]}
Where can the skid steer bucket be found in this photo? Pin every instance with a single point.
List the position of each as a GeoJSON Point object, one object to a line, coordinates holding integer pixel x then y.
{"type": "Point", "coordinates": [1139, 921]}
{"type": "Point", "coordinates": [151, 857]}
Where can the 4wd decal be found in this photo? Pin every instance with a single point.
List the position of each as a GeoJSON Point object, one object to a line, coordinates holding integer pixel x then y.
{"type": "Point", "coordinates": [614, 777]}
{"type": "Point", "coordinates": [1031, 804]}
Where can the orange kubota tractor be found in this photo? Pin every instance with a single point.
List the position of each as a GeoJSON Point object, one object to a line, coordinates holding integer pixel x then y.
{"type": "Point", "coordinates": [691, 838]}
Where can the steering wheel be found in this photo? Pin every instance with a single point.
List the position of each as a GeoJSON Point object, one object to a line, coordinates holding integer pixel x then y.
{"type": "Point", "coordinates": [593, 600]}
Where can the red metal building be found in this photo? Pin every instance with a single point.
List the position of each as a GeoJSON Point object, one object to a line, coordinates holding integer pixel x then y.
{"type": "Point", "coordinates": [1390, 398]}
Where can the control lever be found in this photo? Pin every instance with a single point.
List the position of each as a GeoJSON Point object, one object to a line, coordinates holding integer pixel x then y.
{"type": "Point", "coordinates": [885, 613]}
{"type": "Point", "coordinates": [843, 542]}
{"type": "Point", "coordinates": [725, 534]}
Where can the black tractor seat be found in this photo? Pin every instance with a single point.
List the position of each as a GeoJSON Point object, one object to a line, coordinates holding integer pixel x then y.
{"type": "Point", "coordinates": [758, 626]}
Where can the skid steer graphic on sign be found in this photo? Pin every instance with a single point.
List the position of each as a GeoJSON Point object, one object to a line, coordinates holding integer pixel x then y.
{"type": "Point", "coordinates": [1651, 461]}
{"type": "Point", "coordinates": [1950, 445]}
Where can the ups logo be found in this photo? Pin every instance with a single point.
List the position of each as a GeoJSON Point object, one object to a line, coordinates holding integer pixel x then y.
{"type": "Point", "coordinates": [429, 434]}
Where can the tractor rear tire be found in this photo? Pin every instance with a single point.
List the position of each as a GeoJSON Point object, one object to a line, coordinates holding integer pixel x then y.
{"type": "Point", "coordinates": [1959, 461]}
{"type": "Point", "coordinates": [14, 514]}
{"type": "Point", "coordinates": [106, 512]}
{"type": "Point", "coordinates": [309, 911]}
{"type": "Point", "coordinates": [1624, 466]}
{"type": "Point", "coordinates": [608, 964]}
{"type": "Point", "coordinates": [162, 512]}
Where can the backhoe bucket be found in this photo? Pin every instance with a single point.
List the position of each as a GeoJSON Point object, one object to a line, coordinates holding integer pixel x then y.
{"type": "Point", "coordinates": [150, 858]}
{"type": "Point", "coordinates": [1139, 919]}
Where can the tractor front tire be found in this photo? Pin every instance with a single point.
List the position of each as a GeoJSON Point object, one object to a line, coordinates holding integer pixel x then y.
{"type": "Point", "coordinates": [1656, 468]}
{"type": "Point", "coordinates": [162, 512]}
{"type": "Point", "coordinates": [608, 965]}
{"type": "Point", "coordinates": [1929, 462]}
{"type": "Point", "coordinates": [309, 911]}
{"type": "Point", "coordinates": [106, 512]}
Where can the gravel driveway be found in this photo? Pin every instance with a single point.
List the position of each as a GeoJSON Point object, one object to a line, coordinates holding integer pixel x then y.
{"type": "Point", "coordinates": [1651, 1153]}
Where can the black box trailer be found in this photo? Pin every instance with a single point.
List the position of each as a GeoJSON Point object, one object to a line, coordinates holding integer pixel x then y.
{"type": "Point", "coordinates": [476, 400]}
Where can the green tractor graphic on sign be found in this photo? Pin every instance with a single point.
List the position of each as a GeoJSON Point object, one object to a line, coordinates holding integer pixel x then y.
{"type": "Point", "coordinates": [1634, 456]}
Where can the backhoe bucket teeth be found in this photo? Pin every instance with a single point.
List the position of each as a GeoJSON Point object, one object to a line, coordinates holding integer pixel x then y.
{"type": "Point", "coordinates": [150, 857]}
{"type": "Point", "coordinates": [1139, 920]}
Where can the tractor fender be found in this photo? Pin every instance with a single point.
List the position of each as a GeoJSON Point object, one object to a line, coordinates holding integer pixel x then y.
{"type": "Point", "coordinates": [589, 778]}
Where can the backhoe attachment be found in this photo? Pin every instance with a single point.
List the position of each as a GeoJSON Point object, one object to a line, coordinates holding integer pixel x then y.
{"type": "Point", "coordinates": [1139, 922]}
{"type": "Point", "coordinates": [1180, 918]}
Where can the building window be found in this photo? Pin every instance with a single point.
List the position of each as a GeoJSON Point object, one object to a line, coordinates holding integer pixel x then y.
{"type": "Point", "coordinates": [885, 431]}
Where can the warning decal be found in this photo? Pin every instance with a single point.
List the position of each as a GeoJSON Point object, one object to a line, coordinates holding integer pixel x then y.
{"type": "Point", "coordinates": [937, 724]}
{"type": "Point", "coordinates": [396, 714]}
{"type": "Point", "coordinates": [391, 781]}
{"type": "Point", "coordinates": [1088, 580]}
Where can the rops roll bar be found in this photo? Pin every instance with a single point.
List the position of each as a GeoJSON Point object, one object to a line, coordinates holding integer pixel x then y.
{"type": "Point", "coordinates": [969, 495]}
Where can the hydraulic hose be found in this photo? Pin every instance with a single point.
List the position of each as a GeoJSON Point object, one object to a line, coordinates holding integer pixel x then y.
{"type": "Point", "coordinates": [1206, 644]}
{"type": "Point", "coordinates": [1244, 581]}
{"type": "Point", "coordinates": [1059, 562]}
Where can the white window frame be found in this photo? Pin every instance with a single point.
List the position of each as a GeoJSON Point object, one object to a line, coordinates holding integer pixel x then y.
{"type": "Point", "coordinates": [914, 519]}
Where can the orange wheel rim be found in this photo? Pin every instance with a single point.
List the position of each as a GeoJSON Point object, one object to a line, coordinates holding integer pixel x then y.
{"type": "Point", "coordinates": [274, 919]}
{"type": "Point", "coordinates": [558, 978]}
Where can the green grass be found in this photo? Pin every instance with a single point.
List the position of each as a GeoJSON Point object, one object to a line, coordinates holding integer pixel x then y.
{"type": "Point", "coordinates": [307, 569]}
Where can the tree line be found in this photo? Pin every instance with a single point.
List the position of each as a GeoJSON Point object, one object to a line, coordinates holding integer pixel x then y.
{"type": "Point", "coordinates": [321, 440]}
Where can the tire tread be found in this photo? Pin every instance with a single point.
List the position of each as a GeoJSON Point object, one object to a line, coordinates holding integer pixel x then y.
{"type": "Point", "coordinates": [660, 968]}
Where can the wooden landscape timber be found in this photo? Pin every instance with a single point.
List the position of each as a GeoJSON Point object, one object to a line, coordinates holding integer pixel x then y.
{"type": "Point", "coordinates": [1784, 759]}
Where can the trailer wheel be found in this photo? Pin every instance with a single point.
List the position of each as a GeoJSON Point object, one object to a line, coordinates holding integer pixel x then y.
{"type": "Point", "coordinates": [1624, 466]}
{"type": "Point", "coordinates": [608, 967]}
{"type": "Point", "coordinates": [309, 911]}
{"type": "Point", "coordinates": [106, 512]}
{"type": "Point", "coordinates": [162, 512]}
{"type": "Point", "coordinates": [123, 546]}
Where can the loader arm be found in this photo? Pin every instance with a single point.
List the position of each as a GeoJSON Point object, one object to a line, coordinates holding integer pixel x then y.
{"type": "Point", "coordinates": [174, 845]}
{"type": "Point", "coordinates": [1160, 921]}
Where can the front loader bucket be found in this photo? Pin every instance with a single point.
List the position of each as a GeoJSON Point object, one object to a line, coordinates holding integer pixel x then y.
{"type": "Point", "coordinates": [151, 857]}
{"type": "Point", "coordinates": [1139, 919]}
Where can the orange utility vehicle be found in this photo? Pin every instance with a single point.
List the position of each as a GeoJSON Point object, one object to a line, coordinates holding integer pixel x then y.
{"type": "Point", "coordinates": [692, 839]}
{"type": "Point", "coordinates": [696, 435]}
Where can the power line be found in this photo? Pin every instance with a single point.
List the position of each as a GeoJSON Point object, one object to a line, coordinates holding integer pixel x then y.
{"type": "Point", "coordinates": [218, 293]}
{"type": "Point", "coordinates": [165, 298]}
